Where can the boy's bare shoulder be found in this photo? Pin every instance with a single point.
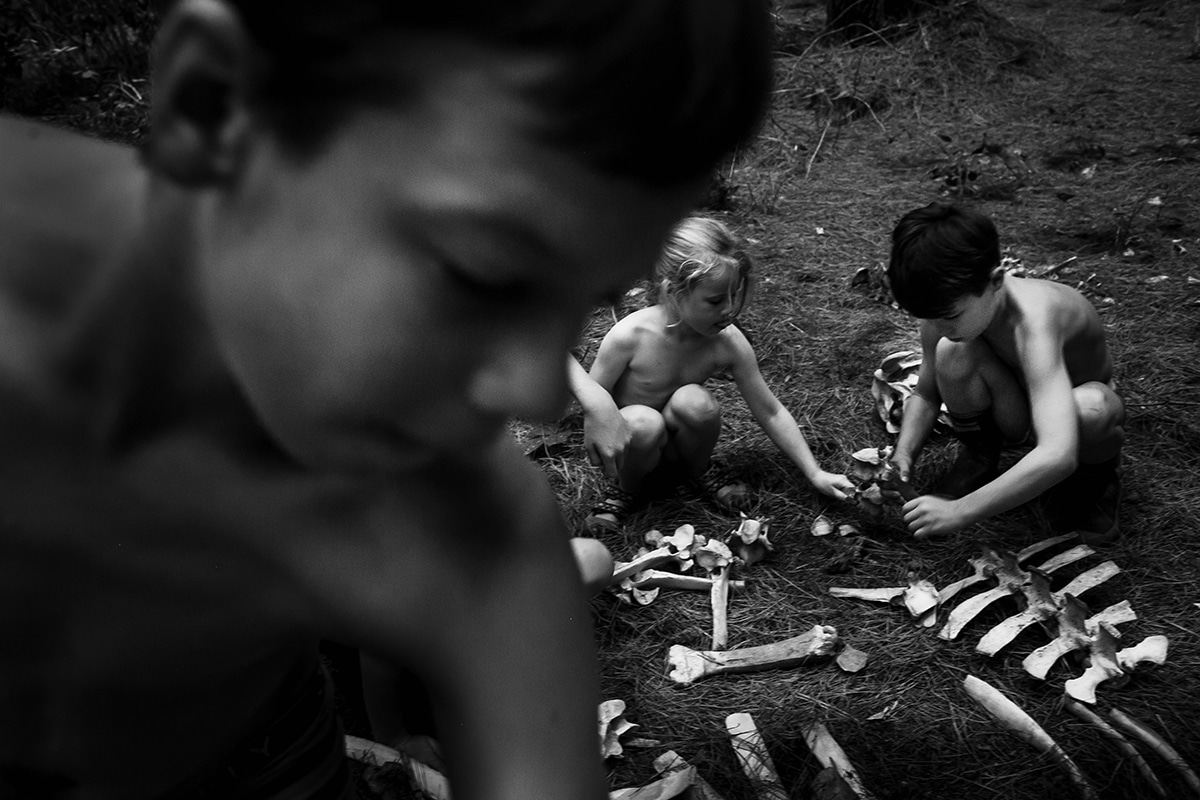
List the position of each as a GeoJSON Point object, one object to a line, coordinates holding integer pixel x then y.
{"type": "Point", "coordinates": [1053, 304]}
{"type": "Point", "coordinates": [63, 196]}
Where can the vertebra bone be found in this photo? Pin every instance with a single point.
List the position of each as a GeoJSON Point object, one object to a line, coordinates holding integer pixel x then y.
{"type": "Point", "coordinates": [1074, 632]}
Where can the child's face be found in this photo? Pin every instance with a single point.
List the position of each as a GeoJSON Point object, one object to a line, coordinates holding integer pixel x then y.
{"type": "Point", "coordinates": [712, 304]}
{"type": "Point", "coordinates": [423, 279]}
{"type": "Point", "coordinates": [969, 317]}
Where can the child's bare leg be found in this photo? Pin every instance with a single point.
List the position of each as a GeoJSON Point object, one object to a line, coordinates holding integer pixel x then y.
{"type": "Point", "coordinates": [987, 407]}
{"type": "Point", "coordinates": [1101, 422]}
{"type": "Point", "coordinates": [648, 439]}
{"type": "Point", "coordinates": [1092, 495]}
{"type": "Point", "coordinates": [693, 420]}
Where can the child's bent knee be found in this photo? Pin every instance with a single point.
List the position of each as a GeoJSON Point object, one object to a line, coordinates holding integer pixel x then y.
{"type": "Point", "coordinates": [694, 405]}
{"type": "Point", "coordinates": [595, 564]}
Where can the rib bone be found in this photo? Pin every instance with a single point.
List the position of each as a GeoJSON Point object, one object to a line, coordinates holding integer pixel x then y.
{"type": "Point", "coordinates": [1010, 715]}
{"type": "Point", "coordinates": [752, 753]}
{"type": "Point", "coordinates": [1010, 578]}
{"type": "Point", "coordinates": [1120, 742]}
{"type": "Point", "coordinates": [690, 665]}
{"type": "Point", "coordinates": [991, 559]}
{"type": "Point", "coordinates": [1042, 604]}
{"type": "Point", "coordinates": [830, 754]}
{"type": "Point", "coordinates": [670, 761]}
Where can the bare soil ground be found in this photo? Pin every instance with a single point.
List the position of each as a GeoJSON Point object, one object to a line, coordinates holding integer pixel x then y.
{"type": "Point", "coordinates": [1076, 126]}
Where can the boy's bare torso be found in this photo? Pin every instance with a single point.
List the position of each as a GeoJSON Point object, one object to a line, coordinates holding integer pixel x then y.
{"type": "Point", "coordinates": [1039, 308]}
{"type": "Point", "coordinates": [179, 576]}
{"type": "Point", "coordinates": [662, 360]}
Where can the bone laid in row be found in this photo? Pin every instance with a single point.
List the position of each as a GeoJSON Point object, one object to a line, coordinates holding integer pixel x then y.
{"type": "Point", "coordinates": [1074, 632]}
{"type": "Point", "coordinates": [1042, 604]}
{"type": "Point", "coordinates": [1106, 663]}
{"type": "Point", "coordinates": [986, 564]}
{"type": "Point", "coordinates": [1011, 580]}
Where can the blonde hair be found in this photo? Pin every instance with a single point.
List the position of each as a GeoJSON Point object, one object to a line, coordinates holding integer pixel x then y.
{"type": "Point", "coordinates": [702, 248]}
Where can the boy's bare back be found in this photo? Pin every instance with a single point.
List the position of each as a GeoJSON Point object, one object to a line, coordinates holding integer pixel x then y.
{"type": "Point", "coordinates": [1061, 316]}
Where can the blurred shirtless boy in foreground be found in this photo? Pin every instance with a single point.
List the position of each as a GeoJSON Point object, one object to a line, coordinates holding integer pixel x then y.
{"type": "Point", "coordinates": [254, 382]}
{"type": "Point", "coordinates": [1013, 359]}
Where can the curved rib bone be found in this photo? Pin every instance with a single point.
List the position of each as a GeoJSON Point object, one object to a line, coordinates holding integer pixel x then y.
{"type": "Point", "coordinates": [690, 665]}
{"type": "Point", "coordinates": [1010, 577]}
{"type": "Point", "coordinates": [752, 753]}
{"type": "Point", "coordinates": [1169, 754]}
{"type": "Point", "coordinates": [1010, 715]}
{"type": "Point", "coordinates": [830, 754]}
{"type": "Point", "coordinates": [1042, 604]}
{"type": "Point", "coordinates": [1120, 742]}
{"type": "Point", "coordinates": [991, 559]}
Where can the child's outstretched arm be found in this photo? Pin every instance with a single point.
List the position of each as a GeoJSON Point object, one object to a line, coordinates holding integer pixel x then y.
{"type": "Point", "coordinates": [605, 432]}
{"type": "Point", "coordinates": [475, 589]}
{"type": "Point", "coordinates": [920, 409]}
{"type": "Point", "coordinates": [777, 422]}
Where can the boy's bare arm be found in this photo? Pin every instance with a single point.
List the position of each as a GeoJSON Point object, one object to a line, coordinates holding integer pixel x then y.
{"type": "Point", "coordinates": [920, 409]}
{"type": "Point", "coordinates": [494, 619]}
{"type": "Point", "coordinates": [1055, 425]}
{"type": "Point", "coordinates": [778, 423]}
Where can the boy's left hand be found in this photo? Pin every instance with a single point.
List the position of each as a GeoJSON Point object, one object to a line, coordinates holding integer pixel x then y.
{"type": "Point", "coordinates": [836, 486]}
{"type": "Point", "coordinates": [928, 516]}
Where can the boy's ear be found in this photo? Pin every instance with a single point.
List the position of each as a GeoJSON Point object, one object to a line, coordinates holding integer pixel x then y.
{"type": "Point", "coordinates": [996, 276]}
{"type": "Point", "coordinates": [199, 119]}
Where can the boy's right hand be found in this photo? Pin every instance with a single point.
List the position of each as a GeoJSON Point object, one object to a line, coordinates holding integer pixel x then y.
{"type": "Point", "coordinates": [605, 440]}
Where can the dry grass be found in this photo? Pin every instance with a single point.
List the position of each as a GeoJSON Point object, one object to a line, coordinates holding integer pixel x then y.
{"type": "Point", "coordinates": [1063, 121]}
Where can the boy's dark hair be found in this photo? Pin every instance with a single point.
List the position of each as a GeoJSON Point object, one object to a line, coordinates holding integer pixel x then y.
{"type": "Point", "coordinates": [941, 253]}
{"type": "Point", "coordinates": [655, 90]}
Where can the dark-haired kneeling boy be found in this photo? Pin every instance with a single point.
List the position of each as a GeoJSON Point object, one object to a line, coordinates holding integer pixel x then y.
{"type": "Point", "coordinates": [1014, 360]}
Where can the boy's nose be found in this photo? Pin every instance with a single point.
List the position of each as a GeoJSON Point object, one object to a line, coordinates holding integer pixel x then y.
{"type": "Point", "coordinates": [523, 376]}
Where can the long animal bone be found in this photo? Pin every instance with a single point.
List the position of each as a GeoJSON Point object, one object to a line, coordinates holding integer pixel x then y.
{"type": "Point", "coordinates": [1169, 754]}
{"type": "Point", "coordinates": [661, 579]}
{"type": "Point", "coordinates": [831, 755]}
{"type": "Point", "coordinates": [1010, 715]}
{"type": "Point", "coordinates": [1041, 604]}
{"type": "Point", "coordinates": [1107, 663]}
{"type": "Point", "coordinates": [677, 548]}
{"type": "Point", "coordinates": [751, 752]}
{"type": "Point", "coordinates": [920, 597]}
{"type": "Point", "coordinates": [690, 665]}
{"type": "Point", "coordinates": [1075, 630]}
{"type": "Point", "coordinates": [670, 761]}
{"type": "Point", "coordinates": [1120, 742]}
{"type": "Point", "coordinates": [716, 559]}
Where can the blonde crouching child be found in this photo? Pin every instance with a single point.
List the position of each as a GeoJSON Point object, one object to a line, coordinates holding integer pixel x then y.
{"type": "Point", "coordinates": [653, 364]}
